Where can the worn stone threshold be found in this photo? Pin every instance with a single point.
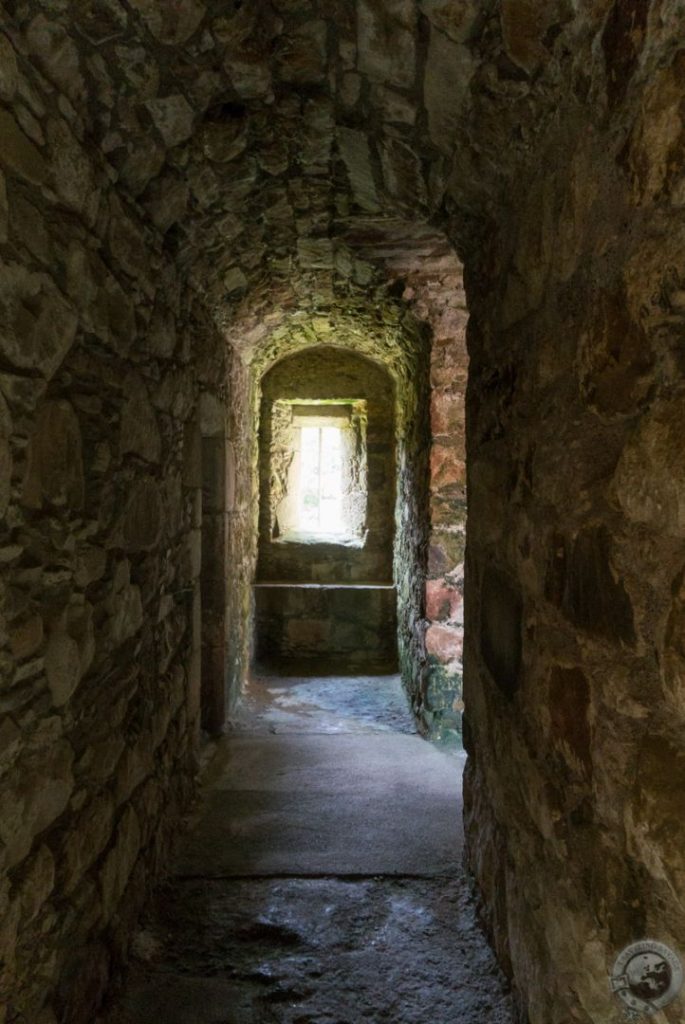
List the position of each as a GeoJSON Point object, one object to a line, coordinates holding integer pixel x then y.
{"type": "Point", "coordinates": [330, 950]}
{"type": "Point", "coordinates": [321, 876]}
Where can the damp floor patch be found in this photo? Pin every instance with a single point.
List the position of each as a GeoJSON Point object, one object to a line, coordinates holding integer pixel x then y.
{"type": "Point", "coordinates": [315, 951]}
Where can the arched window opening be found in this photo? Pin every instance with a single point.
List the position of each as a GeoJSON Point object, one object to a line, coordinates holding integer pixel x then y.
{"type": "Point", "coordinates": [319, 481]}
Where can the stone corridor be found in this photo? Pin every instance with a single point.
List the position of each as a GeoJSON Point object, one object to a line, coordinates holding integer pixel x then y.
{"type": "Point", "coordinates": [283, 284]}
{"type": "Point", "coordinates": [299, 895]}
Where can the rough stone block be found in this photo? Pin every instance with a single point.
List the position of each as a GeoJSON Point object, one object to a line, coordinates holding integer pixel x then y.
{"type": "Point", "coordinates": [51, 44]}
{"type": "Point", "coordinates": [171, 26]}
{"type": "Point", "coordinates": [139, 527]}
{"type": "Point", "coordinates": [616, 356]}
{"type": "Point", "coordinates": [524, 24]}
{"type": "Point", "coordinates": [446, 551]}
{"type": "Point", "coordinates": [10, 739]}
{"type": "Point", "coordinates": [82, 844]}
{"type": "Point", "coordinates": [444, 642]}
{"type": "Point", "coordinates": [72, 172]}
{"type": "Point", "coordinates": [582, 580]}
{"type": "Point", "coordinates": [128, 245]}
{"type": "Point", "coordinates": [659, 134]}
{"type": "Point", "coordinates": [622, 41]}
{"type": "Point", "coordinates": [9, 926]}
{"type": "Point", "coordinates": [447, 467]}
{"type": "Point", "coordinates": [120, 861]}
{"type": "Point", "coordinates": [38, 327]}
{"type": "Point", "coordinates": [443, 602]}
{"type": "Point", "coordinates": [28, 222]}
{"type": "Point", "coordinates": [301, 58]}
{"type": "Point", "coordinates": [447, 413]}
{"type": "Point", "coordinates": [173, 118]}
{"type": "Point", "coordinates": [569, 705]}
{"type": "Point", "coordinates": [650, 472]}
{"type": "Point", "coordinates": [385, 41]}
{"type": "Point", "coordinates": [449, 69]}
{"type": "Point", "coordinates": [402, 173]}
{"type": "Point", "coordinates": [38, 883]}
{"type": "Point", "coordinates": [26, 636]}
{"type": "Point", "coordinates": [456, 18]}
{"type": "Point", "coordinates": [34, 796]}
{"type": "Point", "coordinates": [102, 22]}
{"type": "Point", "coordinates": [124, 607]}
{"type": "Point", "coordinates": [55, 462]}
{"type": "Point", "coordinates": [212, 415]}
{"type": "Point", "coordinates": [251, 79]}
{"type": "Point", "coordinates": [9, 73]}
{"type": "Point", "coordinates": [90, 566]}
{"type": "Point", "coordinates": [356, 155]}
{"type": "Point", "coordinates": [137, 762]}
{"type": "Point", "coordinates": [62, 666]}
{"type": "Point", "coordinates": [139, 430]}
{"type": "Point", "coordinates": [223, 141]}
{"type": "Point", "coordinates": [18, 153]}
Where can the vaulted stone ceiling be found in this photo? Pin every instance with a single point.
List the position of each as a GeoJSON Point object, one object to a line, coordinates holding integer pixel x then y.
{"type": "Point", "coordinates": [266, 143]}
{"type": "Point", "coordinates": [265, 140]}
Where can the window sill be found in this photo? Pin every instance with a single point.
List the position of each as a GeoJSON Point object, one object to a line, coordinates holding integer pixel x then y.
{"type": "Point", "coordinates": [340, 540]}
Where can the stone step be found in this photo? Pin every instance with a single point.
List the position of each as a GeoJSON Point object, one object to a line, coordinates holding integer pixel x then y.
{"type": "Point", "coordinates": [351, 626]}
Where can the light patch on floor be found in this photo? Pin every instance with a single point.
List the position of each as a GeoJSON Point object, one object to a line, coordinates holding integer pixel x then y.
{"type": "Point", "coordinates": [327, 704]}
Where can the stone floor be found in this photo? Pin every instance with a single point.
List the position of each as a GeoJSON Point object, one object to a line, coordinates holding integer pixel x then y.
{"type": "Point", "coordinates": [328, 704]}
{"type": "Point", "coordinates": [320, 882]}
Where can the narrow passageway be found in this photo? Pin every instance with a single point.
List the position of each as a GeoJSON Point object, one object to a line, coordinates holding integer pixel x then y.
{"type": "Point", "coordinates": [321, 880]}
{"type": "Point", "coordinates": [296, 296]}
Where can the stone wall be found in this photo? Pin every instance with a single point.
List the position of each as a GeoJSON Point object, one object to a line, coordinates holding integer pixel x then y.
{"type": "Point", "coordinates": [574, 649]}
{"type": "Point", "coordinates": [436, 294]}
{"type": "Point", "coordinates": [103, 353]}
{"type": "Point", "coordinates": [241, 510]}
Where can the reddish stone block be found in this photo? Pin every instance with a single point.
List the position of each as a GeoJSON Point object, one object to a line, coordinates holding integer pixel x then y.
{"type": "Point", "coordinates": [437, 600]}
{"type": "Point", "coordinates": [447, 413]}
{"type": "Point", "coordinates": [444, 603]}
{"type": "Point", "coordinates": [447, 467]}
{"type": "Point", "coordinates": [444, 642]}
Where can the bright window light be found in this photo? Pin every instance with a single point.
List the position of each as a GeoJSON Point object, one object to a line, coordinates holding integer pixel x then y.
{"type": "Point", "coordinates": [321, 479]}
